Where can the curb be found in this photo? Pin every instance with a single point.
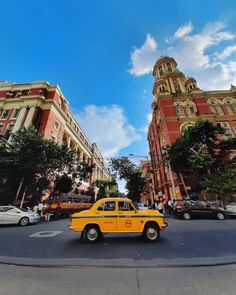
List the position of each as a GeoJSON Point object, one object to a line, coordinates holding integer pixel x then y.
{"type": "Point", "coordinates": [118, 263]}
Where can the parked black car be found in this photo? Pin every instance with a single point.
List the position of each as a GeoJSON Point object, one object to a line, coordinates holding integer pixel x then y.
{"type": "Point", "coordinates": [200, 209]}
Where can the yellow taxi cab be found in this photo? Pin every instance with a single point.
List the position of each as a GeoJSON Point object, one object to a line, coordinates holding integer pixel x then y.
{"type": "Point", "coordinates": [117, 215]}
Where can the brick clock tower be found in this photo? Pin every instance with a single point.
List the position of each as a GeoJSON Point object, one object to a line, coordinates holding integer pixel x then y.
{"type": "Point", "coordinates": [179, 103]}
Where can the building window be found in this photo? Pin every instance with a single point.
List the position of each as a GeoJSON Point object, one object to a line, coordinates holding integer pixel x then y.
{"type": "Point", "coordinates": [8, 131]}
{"type": "Point", "coordinates": [56, 125]}
{"type": "Point", "coordinates": [5, 114]}
{"type": "Point", "coordinates": [190, 110]}
{"type": "Point", "coordinates": [215, 107]}
{"type": "Point", "coordinates": [179, 110]}
{"type": "Point", "coordinates": [1, 128]}
{"type": "Point", "coordinates": [217, 110]}
{"type": "Point", "coordinates": [230, 105]}
{"type": "Point", "coordinates": [25, 92]}
{"type": "Point", "coordinates": [229, 110]}
{"type": "Point", "coordinates": [15, 94]}
{"type": "Point", "coordinates": [169, 67]}
{"type": "Point", "coordinates": [16, 113]}
{"type": "Point", "coordinates": [160, 71]}
{"type": "Point", "coordinates": [177, 87]}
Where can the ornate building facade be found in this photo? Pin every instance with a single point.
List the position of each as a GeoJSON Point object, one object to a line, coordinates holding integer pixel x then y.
{"type": "Point", "coordinates": [179, 103]}
{"type": "Point", "coordinates": [44, 106]}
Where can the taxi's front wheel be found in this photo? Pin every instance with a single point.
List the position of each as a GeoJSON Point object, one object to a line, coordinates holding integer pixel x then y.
{"type": "Point", "coordinates": [92, 234]}
{"type": "Point", "coordinates": [151, 233]}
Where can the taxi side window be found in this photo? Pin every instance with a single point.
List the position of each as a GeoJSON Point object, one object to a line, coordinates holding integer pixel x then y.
{"type": "Point", "coordinates": [107, 206]}
{"type": "Point", "coordinates": [125, 206]}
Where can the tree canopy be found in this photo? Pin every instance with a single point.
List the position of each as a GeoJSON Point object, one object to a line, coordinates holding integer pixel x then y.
{"type": "Point", "coordinates": [107, 188]}
{"type": "Point", "coordinates": [204, 152]}
{"type": "Point", "coordinates": [34, 160]}
{"type": "Point", "coordinates": [123, 168]}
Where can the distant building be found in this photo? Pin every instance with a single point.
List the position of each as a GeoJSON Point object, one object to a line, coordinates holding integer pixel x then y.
{"type": "Point", "coordinates": [178, 104]}
{"type": "Point", "coordinates": [44, 106]}
{"type": "Point", "coordinates": [146, 168]}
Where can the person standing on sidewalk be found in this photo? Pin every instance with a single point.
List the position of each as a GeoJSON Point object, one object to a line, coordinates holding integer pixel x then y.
{"type": "Point", "coordinates": [47, 212]}
{"type": "Point", "coordinates": [170, 207]}
{"type": "Point", "coordinates": [160, 206]}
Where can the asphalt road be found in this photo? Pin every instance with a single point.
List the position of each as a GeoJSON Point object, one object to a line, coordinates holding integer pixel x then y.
{"type": "Point", "coordinates": [182, 239]}
{"type": "Point", "coordinates": [119, 264]}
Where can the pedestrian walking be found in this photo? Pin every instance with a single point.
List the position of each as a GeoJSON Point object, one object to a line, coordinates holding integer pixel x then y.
{"type": "Point", "coordinates": [155, 204]}
{"type": "Point", "coordinates": [160, 207]}
{"type": "Point", "coordinates": [47, 212]}
{"type": "Point", "coordinates": [40, 209]}
{"type": "Point", "coordinates": [170, 207]}
{"type": "Point", "coordinates": [35, 208]}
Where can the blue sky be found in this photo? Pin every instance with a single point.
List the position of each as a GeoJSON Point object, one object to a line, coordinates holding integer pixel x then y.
{"type": "Point", "coordinates": [101, 54]}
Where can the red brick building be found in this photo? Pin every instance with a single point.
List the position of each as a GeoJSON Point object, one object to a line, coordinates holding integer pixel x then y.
{"type": "Point", "coordinates": [179, 103]}
{"type": "Point", "coordinates": [44, 106]}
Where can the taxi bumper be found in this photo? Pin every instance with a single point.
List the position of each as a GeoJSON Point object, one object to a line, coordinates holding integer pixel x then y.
{"type": "Point", "coordinates": [165, 225]}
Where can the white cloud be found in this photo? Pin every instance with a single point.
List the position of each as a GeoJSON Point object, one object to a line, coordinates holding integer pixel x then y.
{"type": "Point", "coordinates": [196, 54]}
{"type": "Point", "coordinates": [143, 58]}
{"type": "Point", "coordinates": [149, 119]}
{"type": "Point", "coordinates": [228, 51]}
{"type": "Point", "coordinates": [183, 30]}
{"type": "Point", "coordinates": [108, 127]}
{"type": "Point", "coordinates": [206, 54]}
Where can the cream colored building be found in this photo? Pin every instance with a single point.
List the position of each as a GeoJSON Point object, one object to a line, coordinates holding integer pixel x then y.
{"type": "Point", "coordinates": [44, 105]}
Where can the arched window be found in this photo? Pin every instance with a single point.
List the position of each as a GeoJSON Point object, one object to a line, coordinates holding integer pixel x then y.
{"type": "Point", "coordinates": [190, 108]}
{"type": "Point", "coordinates": [177, 87]}
{"type": "Point", "coordinates": [161, 72]}
{"type": "Point", "coordinates": [230, 105]}
{"type": "Point", "coordinates": [179, 109]}
{"type": "Point", "coordinates": [215, 106]}
{"type": "Point", "coordinates": [169, 67]}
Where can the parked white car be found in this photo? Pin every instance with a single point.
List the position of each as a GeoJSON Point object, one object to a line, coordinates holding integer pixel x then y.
{"type": "Point", "coordinates": [15, 215]}
{"type": "Point", "coordinates": [231, 208]}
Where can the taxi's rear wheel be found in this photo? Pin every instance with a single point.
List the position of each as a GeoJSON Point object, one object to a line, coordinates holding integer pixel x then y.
{"type": "Point", "coordinates": [92, 234]}
{"type": "Point", "coordinates": [151, 232]}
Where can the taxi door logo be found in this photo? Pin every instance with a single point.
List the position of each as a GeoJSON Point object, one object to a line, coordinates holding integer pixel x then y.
{"type": "Point", "coordinates": [128, 223]}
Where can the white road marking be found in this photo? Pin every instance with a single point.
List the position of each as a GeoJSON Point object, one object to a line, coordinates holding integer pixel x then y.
{"type": "Point", "coordinates": [45, 234]}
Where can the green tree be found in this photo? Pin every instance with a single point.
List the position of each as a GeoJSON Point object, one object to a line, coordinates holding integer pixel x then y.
{"type": "Point", "coordinates": [223, 182]}
{"type": "Point", "coordinates": [123, 168]}
{"type": "Point", "coordinates": [107, 187]}
{"type": "Point", "coordinates": [33, 160]}
{"type": "Point", "coordinates": [202, 153]}
{"type": "Point", "coordinates": [63, 184]}
{"type": "Point", "coordinates": [82, 170]}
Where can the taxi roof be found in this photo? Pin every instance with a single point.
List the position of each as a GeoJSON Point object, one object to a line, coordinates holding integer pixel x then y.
{"type": "Point", "coordinates": [113, 199]}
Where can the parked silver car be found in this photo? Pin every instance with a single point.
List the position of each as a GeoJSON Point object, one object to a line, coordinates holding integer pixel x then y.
{"type": "Point", "coordinates": [15, 215]}
{"type": "Point", "coordinates": [231, 209]}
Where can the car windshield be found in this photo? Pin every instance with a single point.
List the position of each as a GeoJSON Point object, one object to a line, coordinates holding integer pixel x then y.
{"type": "Point", "coordinates": [22, 209]}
